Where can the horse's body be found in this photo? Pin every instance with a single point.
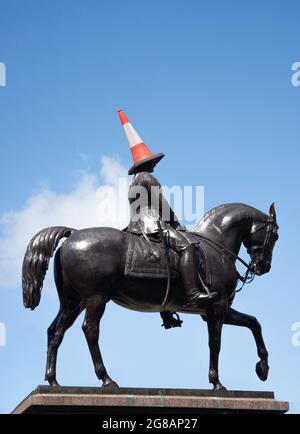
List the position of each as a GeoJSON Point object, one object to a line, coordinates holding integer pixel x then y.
{"type": "Point", "coordinates": [90, 270]}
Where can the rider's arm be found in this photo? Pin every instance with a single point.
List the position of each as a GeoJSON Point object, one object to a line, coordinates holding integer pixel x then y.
{"type": "Point", "coordinates": [165, 211]}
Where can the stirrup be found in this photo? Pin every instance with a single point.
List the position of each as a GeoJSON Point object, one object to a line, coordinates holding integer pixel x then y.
{"type": "Point", "coordinates": [173, 321]}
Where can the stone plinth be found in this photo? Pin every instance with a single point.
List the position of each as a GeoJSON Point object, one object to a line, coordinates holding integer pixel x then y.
{"type": "Point", "coordinates": [93, 400]}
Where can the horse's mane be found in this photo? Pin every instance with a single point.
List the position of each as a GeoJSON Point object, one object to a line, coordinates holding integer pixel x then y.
{"type": "Point", "coordinates": [209, 213]}
{"type": "Point", "coordinates": [220, 208]}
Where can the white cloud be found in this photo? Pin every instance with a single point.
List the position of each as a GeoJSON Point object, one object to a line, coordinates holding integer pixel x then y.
{"type": "Point", "coordinates": [91, 202]}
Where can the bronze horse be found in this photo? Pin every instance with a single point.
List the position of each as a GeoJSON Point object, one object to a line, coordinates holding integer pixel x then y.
{"type": "Point", "coordinates": [89, 271]}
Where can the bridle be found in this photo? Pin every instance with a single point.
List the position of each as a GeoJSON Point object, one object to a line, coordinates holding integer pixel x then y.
{"type": "Point", "coordinates": [269, 224]}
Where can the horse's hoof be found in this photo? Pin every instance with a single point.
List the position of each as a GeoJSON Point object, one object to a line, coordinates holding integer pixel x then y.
{"type": "Point", "coordinates": [53, 383]}
{"type": "Point", "coordinates": [219, 387]}
{"type": "Point", "coordinates": [262, 370]}
{"type": "Point", "coordinates": [110, 385]}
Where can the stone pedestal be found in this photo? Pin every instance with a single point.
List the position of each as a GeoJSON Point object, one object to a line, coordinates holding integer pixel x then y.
{"type": "Point", "coordinates": [93, 400]}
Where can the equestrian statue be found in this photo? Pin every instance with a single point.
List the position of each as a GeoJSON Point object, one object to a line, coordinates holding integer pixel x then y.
{"type": "Point", "coordinates": [154, 265]}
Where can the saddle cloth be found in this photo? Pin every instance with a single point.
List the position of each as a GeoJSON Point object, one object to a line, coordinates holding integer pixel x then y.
{"type": "Point", "coordinates": [142, 262]}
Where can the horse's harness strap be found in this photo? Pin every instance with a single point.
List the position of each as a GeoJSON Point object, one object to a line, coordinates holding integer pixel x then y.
{"type": "Point", "coordinates": [244, 279]}
{"type": "Point", "coordinates": [237, 257]}
{"type": "Point", "coordinates": [157, 257]}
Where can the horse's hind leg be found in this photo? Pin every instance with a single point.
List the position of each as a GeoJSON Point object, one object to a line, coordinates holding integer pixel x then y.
{"type": "Point", "coordinates": [64, 319]}
{"type": "Point", "coordinates": [70, 307]}
{"type": "Point", "coordinates": [234, 317]}
{"type": "Point", "coordinates": [95, 306]}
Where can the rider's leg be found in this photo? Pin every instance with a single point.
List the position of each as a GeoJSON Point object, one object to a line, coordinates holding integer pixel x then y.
{"type": "Point", "coordinates": [189, 265]}
{"type": "Point", "coordinates": [189, 262]}
{"type": "Point", "coordinates": [189, 268]}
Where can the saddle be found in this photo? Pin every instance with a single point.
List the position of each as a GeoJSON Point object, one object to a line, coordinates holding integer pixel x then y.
{"type": "Point", "coordinates": [144, 259]}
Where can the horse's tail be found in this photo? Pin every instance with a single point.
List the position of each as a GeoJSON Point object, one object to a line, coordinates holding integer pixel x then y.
{"type": "Point", "coordinates": [36, 261]}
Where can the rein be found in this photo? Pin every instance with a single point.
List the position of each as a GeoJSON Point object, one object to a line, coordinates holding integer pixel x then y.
{"type": "Point", "coordinates": [249, 275]}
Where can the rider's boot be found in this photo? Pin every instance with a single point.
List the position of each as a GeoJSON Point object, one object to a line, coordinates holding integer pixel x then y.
{"type": "Point", "coordinates": [189, 266]}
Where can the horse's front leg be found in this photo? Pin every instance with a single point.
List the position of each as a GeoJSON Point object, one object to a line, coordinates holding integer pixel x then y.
{"type": "Point", "coordinates": [215, 314]}
{"type": "Point", "coordinates": [234, 317]}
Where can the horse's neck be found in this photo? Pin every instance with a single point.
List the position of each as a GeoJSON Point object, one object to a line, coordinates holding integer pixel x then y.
{"type": "Point", "coordinates": [227, 225]}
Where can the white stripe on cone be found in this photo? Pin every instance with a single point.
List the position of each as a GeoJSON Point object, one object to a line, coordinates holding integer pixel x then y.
{"type": "Point", "coordinates": [132, 135]}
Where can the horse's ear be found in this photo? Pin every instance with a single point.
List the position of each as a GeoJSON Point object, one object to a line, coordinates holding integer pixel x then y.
{"type": "Point", "coordinates": [272, 211]}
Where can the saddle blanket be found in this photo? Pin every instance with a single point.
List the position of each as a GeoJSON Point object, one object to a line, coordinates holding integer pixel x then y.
{"type": "Point", "coordinates": [145, 261]}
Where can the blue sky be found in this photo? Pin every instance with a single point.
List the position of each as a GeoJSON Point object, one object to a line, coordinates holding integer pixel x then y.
{"type": "Point", "coordinates": [209, 84]}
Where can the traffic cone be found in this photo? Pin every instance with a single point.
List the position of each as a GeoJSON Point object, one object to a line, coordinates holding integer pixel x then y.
{"type": "Point", "coordinates": [141, 154]}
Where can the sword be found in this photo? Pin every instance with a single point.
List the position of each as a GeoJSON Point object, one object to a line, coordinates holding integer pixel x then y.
{"type": "Point", "coordinates": [148, 242]}
{"type": "Point", "coordinates": [161, 234]}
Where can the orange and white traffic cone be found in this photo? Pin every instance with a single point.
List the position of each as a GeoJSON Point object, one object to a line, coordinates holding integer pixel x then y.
{"type": "Point", "coordinates": [141, 154]}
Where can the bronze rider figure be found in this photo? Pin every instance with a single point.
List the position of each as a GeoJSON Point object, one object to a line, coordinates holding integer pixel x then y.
{"type": "Point", "coordinates": [151, 212]}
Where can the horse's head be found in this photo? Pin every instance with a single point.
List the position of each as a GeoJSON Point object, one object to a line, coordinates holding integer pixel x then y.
{"type": "Point", "coordinates": [260, 242]}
